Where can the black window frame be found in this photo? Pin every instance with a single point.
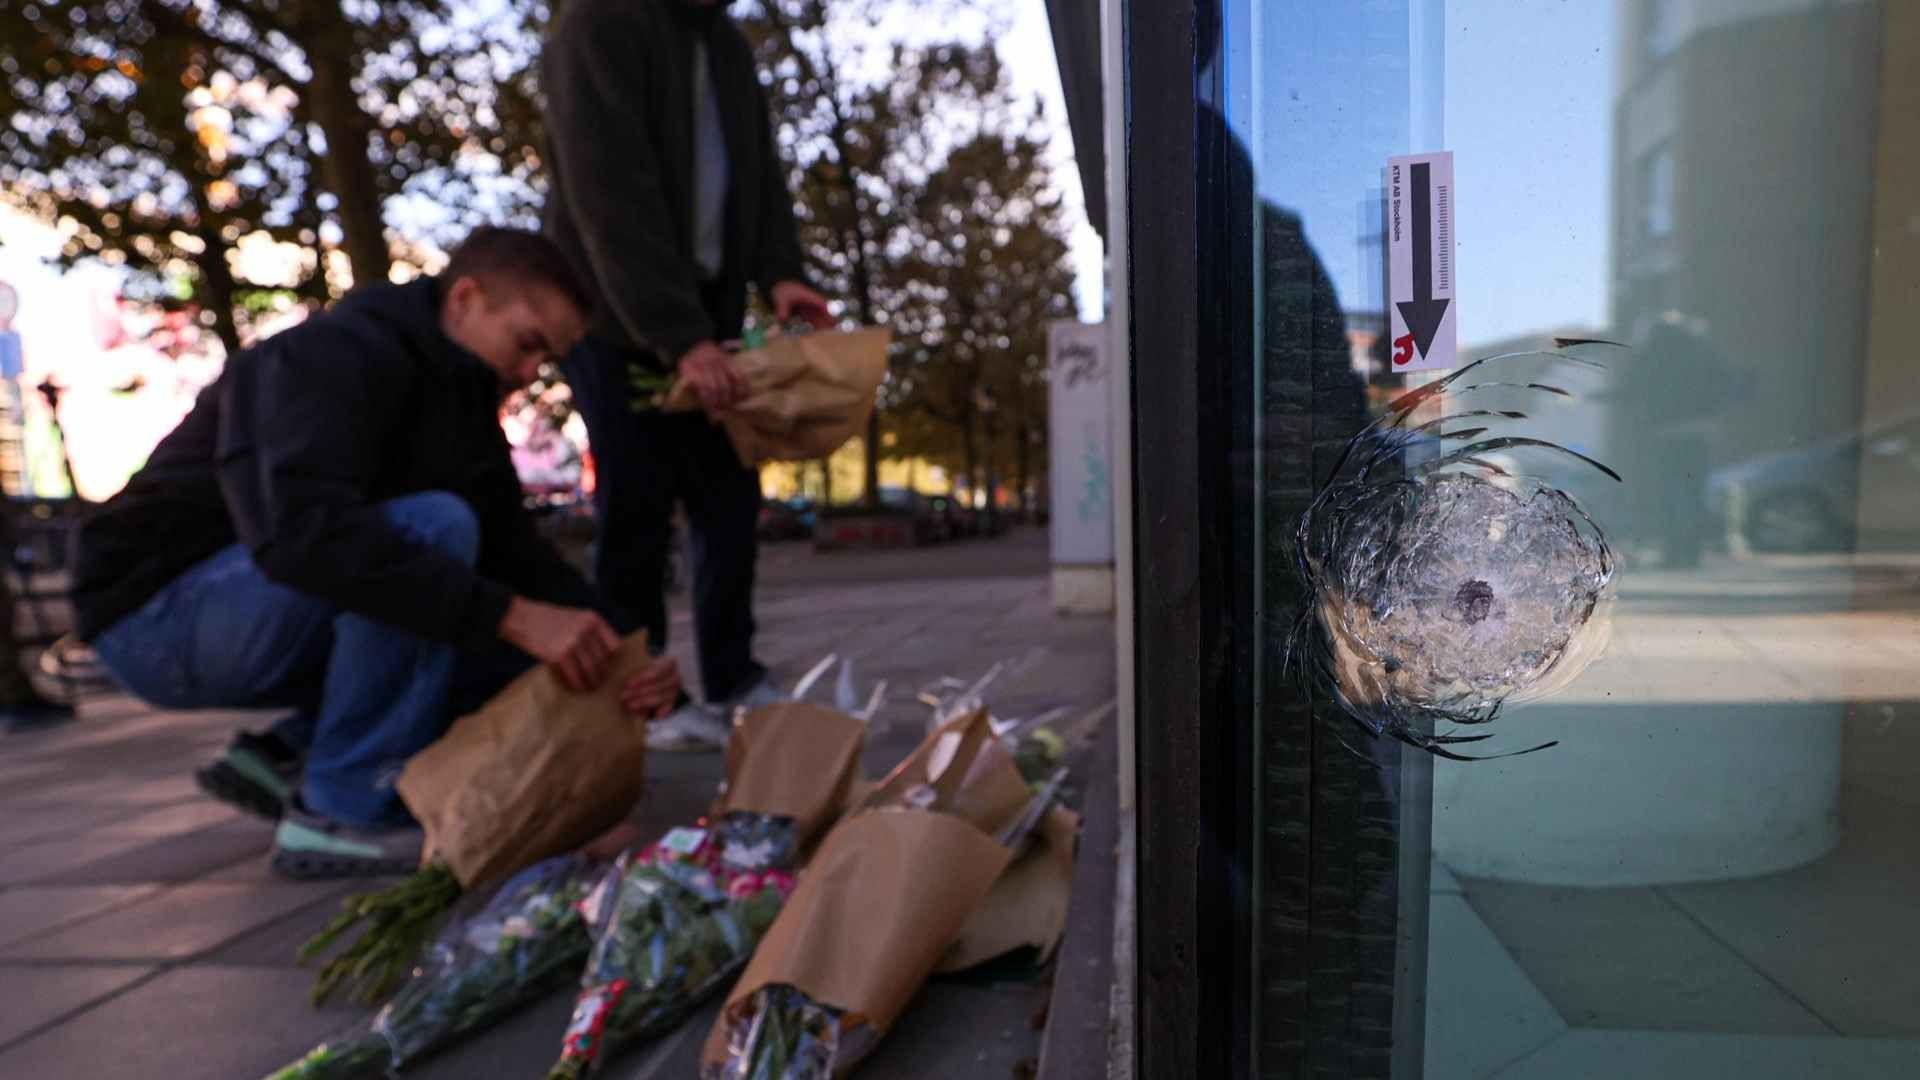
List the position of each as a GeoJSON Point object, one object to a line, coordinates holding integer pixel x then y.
{"type": "Point", "coordinates": [1265, 942]}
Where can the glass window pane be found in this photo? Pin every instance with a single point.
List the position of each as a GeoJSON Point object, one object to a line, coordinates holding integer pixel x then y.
{"type": "Point", "coordinates": [1695, 223]}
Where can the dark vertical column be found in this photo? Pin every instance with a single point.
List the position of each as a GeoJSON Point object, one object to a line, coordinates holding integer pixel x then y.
{"type": "Point", "coordinates": [1188, 993]}
{"type": "Point", "coordinates": [1273, 922]}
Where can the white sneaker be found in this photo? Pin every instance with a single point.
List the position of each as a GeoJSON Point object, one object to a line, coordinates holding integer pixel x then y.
{"type": "Point", "coordinates": [760, 693]}
{"type": "Point", "coordinates": [691, 728]}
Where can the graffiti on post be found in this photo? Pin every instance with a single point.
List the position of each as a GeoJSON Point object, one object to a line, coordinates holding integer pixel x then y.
{"type": "Point", "coordinates": [1081, 467]}
{"type": "Point", "coordinates": [1096, 498]}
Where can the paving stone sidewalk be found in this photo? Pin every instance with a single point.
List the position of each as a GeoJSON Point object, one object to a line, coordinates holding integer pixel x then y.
{"type": "Point", "coordinates": [142, 934]}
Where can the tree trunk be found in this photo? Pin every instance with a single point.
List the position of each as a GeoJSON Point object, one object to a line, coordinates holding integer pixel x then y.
{"type": "Point", "coordinates": [215, 291]}
{"type": "Point", "coordinates": [856, 248]}
{"type": "Point", "coordinates": [971, 454]}
{"type": "Point", "coordinates": [348, 169]}
{"type": "Point", "coordinates": [1022, 466]}
{"type": "Point", "coordinates": [854, 234]}
{"type": "Point", "coordinates": [993, 475]}
{"type": "Point", "coordinates": [872, 462]}
{"type": "Point", "coordinates": [826, 483]}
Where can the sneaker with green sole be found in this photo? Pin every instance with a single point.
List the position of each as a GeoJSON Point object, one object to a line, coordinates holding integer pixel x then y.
{"type": "Point", "coordinates": [309, 846]}
{"type": "Point", "coordinates": [256, 773]}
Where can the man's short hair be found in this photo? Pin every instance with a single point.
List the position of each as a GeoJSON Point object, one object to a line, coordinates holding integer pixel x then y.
{"type": "Point", "coordinates": [515, 256]}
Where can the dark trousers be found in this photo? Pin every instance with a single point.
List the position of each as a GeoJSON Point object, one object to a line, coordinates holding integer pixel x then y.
{"type": "Point", "coordinates": [645, 461]}
{"type": "Point", "coordinates": [15, 689]}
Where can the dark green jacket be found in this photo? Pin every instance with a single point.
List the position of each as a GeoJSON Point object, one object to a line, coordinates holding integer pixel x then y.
{"type": "Point", "coordinates": [618, 77]}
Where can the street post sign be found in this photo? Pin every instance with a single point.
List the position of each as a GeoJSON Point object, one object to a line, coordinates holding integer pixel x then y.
{"type": "Point", "coordinates": [1080, 484]}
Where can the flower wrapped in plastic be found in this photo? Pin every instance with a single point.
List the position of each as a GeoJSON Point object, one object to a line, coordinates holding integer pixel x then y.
{"type": "Point", "coordinates": [672, 926]}
{"type": "Point", "coordinates": [782, 1034]}
{"type": "Point", "coordinates": [528, 939]}
{"type": "Point", "coordinates": [678, 919]}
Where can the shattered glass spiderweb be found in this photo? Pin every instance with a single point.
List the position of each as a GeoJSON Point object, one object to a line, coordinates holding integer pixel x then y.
{"type": "Point", "coordinates": [1443, 590]}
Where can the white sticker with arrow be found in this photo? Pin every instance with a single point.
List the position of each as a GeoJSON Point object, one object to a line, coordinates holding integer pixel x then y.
{"type": "Point", "coordinates": [1420, 287]}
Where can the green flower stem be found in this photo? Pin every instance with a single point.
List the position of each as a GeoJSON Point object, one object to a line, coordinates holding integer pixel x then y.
{"type": "Point", "coordinates": [397, 922]}
{"type": "Point", "coordinates": [365, 1056]}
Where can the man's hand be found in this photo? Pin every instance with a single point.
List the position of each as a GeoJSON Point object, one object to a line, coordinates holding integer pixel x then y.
{"type": "Point", "coordinates": [792, 300]}
{"type": "Point", "coordinates": [577, 644]}
{"type": "Point", "coordinates": [718, 384]}
{"type": "Point", "coordinates": [652, 693]}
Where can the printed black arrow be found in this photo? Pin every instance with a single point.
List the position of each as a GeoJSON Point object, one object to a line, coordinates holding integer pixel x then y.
{"type": "Point", "coordinates": [1423, 313]}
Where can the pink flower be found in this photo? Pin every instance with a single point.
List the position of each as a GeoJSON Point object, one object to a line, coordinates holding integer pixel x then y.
{"type": "Point", "coordinates": [744, 886]}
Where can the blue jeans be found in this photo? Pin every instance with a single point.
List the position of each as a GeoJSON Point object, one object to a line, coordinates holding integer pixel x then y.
{"type": "Point", "coordinates": [366, 696]}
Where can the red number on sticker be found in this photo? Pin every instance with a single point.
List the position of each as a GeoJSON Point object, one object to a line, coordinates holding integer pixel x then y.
{"type": "Point", "coordinates": [1403, 350]}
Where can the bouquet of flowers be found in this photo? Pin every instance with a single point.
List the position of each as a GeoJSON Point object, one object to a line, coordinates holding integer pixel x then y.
{"type": "Point", "coordinates": [901, 877]}
{"type": "Point", "coordinates": [1036, 747]}
{"type": "Point", "coordinates": [679, 919]}
{"type": "Point", "coordinates": [807, 394]}
{"type": "Point", "coordinates": [1027, 907]}
{"type": "Point", "coordinates": [782, 1033]}
{"type": "Point", "coordinates": [533, 935]}
{"type": "Point", "coordinates": [538, 771]}
{"type": "Point", "coordinates": [527, 940]}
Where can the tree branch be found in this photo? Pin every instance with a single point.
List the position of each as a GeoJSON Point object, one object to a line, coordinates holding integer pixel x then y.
{"type": "Point", "coordinates": [164, 14]}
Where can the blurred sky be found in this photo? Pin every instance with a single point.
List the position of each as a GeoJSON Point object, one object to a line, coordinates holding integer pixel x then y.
{"type": "Point", "coordinates": [1027, 46]}
{"type": "Point", "coordinates": [1527, 112]}
{"type": "Point", "coordinates": [56, 308]}
{"type": "Point", "coordinates": [62, 312]}
{"type": "Point", "coordinates": [1527, 100]}
{"type": "Point", "coordinates": [1529, 118]}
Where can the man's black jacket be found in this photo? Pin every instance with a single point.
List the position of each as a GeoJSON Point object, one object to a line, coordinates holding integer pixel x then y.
{"type": "Point", "coordinates": [292, 449]}
{"type": "Point", "coordinates": [618, 76]}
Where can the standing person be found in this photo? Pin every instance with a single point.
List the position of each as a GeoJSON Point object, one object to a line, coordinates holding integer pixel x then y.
{"type": "Point", "coordinates": [21, 706]}
{"type": "Point", "coordinates": [337, 528]}
{"type": "Point", "coordinates": [669, 200]}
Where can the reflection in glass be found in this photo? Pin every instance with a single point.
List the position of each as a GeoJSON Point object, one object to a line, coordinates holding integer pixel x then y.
{"type": "Point", "coordinates": [1713, 875]}
{"type": "Point", "coordinates": [1653, 188]}
{"type": "Point", "coordinates": [1331, 902]}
